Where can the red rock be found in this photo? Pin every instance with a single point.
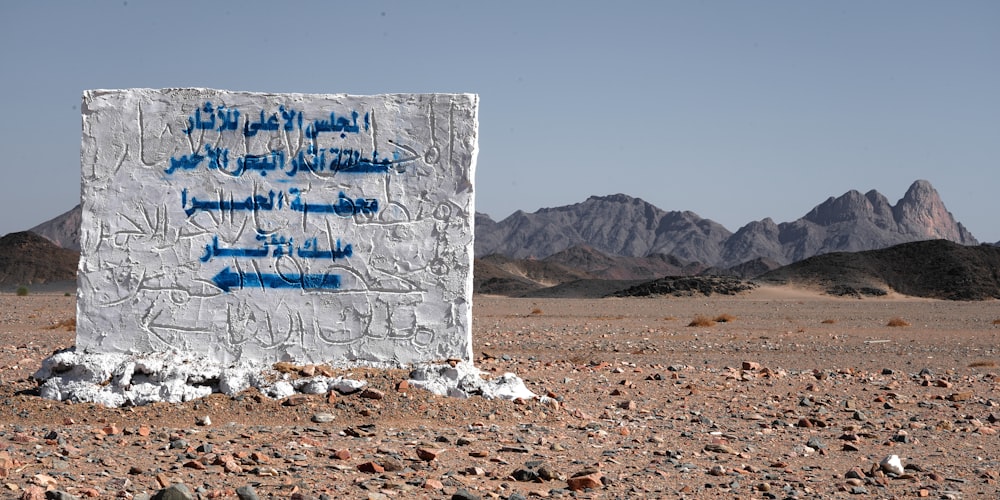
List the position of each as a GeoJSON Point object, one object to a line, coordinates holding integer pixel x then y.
{"type": "Point", "coordinates": [371, 468]}
{"type": "Point", "coordinates": [578, 483]}
{"type": "Point", "coordinates": [342, 454]}
{"type": "Point", "coordinates": [403, 386]}
{"type": "Point", "coordinates": [627, 405]}
{"type": "Point", "coordinates": [162, 480]}
{"type": "Point", "coordinates": [44, 480]}
{"type": "Point", "coordinates": [960, 396]}
{"type": "Point", "coordinates": [370, 393]}
{"type": "Point", "coordinates": [194, 464]}
{"type": "Point", "coordinates": [23, 438]}
{"type": "Point", "coordinates": [33, 493]}
{"type": "Point", "coordinates": [232, 467]}
{"type": "Point", "coordinates": [296, 400]}
{"type": "Point", "coordinates": [428, 454]}
{"type": "Point", "coordinates": [433, 484]}
{"type": "Point", "coordinates": [751, 366]}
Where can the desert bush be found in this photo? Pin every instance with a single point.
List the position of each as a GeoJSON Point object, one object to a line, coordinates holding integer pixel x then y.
{"type": "Point", "coordinates": [983, 364]}
{"type": "Point", "coordinates": [897, 321]}
{"type": "Point", "coordinates": [996, 322]}
{"type": "Point", "coordinates": [700, 320]}
{"type": "Point", "coordinates": [22, 291]}
{"type": "Point", "coordinates": [724, 318]}
{"type": "Point", "coordinates": [68, 324]}
{"type": "Point", "coordinates": [536, 311]}
{"type": "Point", "coordinates": [828, 321]}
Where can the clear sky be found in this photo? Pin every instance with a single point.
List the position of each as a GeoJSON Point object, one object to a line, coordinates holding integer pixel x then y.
{"type": "Point", "coordinates": [733, 110]}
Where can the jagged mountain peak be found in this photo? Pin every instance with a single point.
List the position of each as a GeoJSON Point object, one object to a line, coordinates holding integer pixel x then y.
{"type": "Point", "coordinates": [921, 212]}
{"type": "Point", "coordinates": [847, 206]}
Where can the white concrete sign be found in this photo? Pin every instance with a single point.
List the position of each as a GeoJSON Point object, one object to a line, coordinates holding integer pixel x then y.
{"type": "Point", "coordinates": [278, 227]}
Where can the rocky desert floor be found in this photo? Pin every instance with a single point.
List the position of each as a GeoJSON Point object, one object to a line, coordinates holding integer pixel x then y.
{"type": "Point", "coordinates": [776, 393]}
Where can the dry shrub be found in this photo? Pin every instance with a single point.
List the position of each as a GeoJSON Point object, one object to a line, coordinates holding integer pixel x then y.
{"type": "Point", "coordinates": [897, 321]}
{"type": "Point", "coordinates": [536, 311]}
{"type": "Point", "coordinates": [700, 320]}
{"type": "Point", "coordinates": [724, 318]}
{"type": "Point", "coordinates": [996, 322]}
{"type": "Point", "coordinates": [669, 318]}
{"type": "Point", "coordinates": [983, 364]}
{"type": "Point", "coordinates": [828, 321]}
{"type": "Point", "coordinates": [68, 324]}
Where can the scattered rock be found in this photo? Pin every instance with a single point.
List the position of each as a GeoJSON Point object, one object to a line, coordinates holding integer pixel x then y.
{"type": "Point", "coordinates": [371, 468]}
{"type": "Point", "coordinates": [178, 491]}
{"type": "Point", "coordinates": [892, 464]}
{"type": "Point", "coordinates": [428, 454]}
{"type": "Point", "coordinates": [246, 492]}
{"type": "Point", "coordinates": [323, 418]}
{"type": "Point", "coordinates": [591, 480]}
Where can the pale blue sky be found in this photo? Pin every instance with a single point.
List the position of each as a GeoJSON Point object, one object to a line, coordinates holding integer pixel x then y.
{"type": "Point", "coordinates": [734, 110]}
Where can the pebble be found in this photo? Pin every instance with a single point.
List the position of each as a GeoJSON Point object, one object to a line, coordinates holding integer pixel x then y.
{"type": "Point", "coordinates": [720, 448]}
{"type": "Point", "coordinates": [370, 393]}
{"type": "Point", "coordinates": [323, 418]}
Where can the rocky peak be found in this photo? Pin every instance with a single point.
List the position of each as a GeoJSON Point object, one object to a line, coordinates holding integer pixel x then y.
{"type": "Point", "coordinates": [922, 213]}
{"type": "Point", "coordinates": [63, 230]}
{"type": "Point", "coordinates": [851, 205]}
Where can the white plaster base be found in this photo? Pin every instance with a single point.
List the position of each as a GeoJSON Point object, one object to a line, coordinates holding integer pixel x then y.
{"type": "Point", "coordinates": [117, 380]}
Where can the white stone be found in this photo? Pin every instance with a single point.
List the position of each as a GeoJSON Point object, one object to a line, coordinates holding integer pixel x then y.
{"type": "Point", "coordinates": [464, 380]}
{"type": "Point", "coordinates": [892, 464]}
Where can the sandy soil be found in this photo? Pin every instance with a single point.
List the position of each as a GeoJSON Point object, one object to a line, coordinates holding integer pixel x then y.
{"type": "Point", "coordinates": [795, 395]}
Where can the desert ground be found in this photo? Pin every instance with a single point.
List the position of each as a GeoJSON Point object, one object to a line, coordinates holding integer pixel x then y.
{"type": "Point", "coordinates": [779, 393]}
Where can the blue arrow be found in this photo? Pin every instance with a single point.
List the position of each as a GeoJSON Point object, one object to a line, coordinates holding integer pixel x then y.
{"type": "Point", "coordinates": [227, 279]}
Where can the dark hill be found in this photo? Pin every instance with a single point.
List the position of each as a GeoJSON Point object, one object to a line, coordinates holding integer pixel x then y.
{"type": "Point", "coordinates": [938, 269]}
{"type": "Point", "coordinates": [29, 259]}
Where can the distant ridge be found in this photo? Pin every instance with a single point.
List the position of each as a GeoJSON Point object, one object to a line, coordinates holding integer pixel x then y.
{"type": "Point", "coordinates": [937, 269]}
{"type": "Point", "coordinates": [626, 226]}
{"type": "Point", "coordinates": [29, 259]}
{"type": "Point", "coordinates": [63, 230]}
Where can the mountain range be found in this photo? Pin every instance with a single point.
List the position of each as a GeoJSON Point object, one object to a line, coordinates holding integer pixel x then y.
{"type": "Point", "coordinates": [625, 226]}
{"type": "Point", "coordinates": [611, 243]}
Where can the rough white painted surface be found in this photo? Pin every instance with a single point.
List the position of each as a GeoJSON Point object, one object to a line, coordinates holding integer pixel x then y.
{"type": "Point", "coordinates": [277, 227]}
